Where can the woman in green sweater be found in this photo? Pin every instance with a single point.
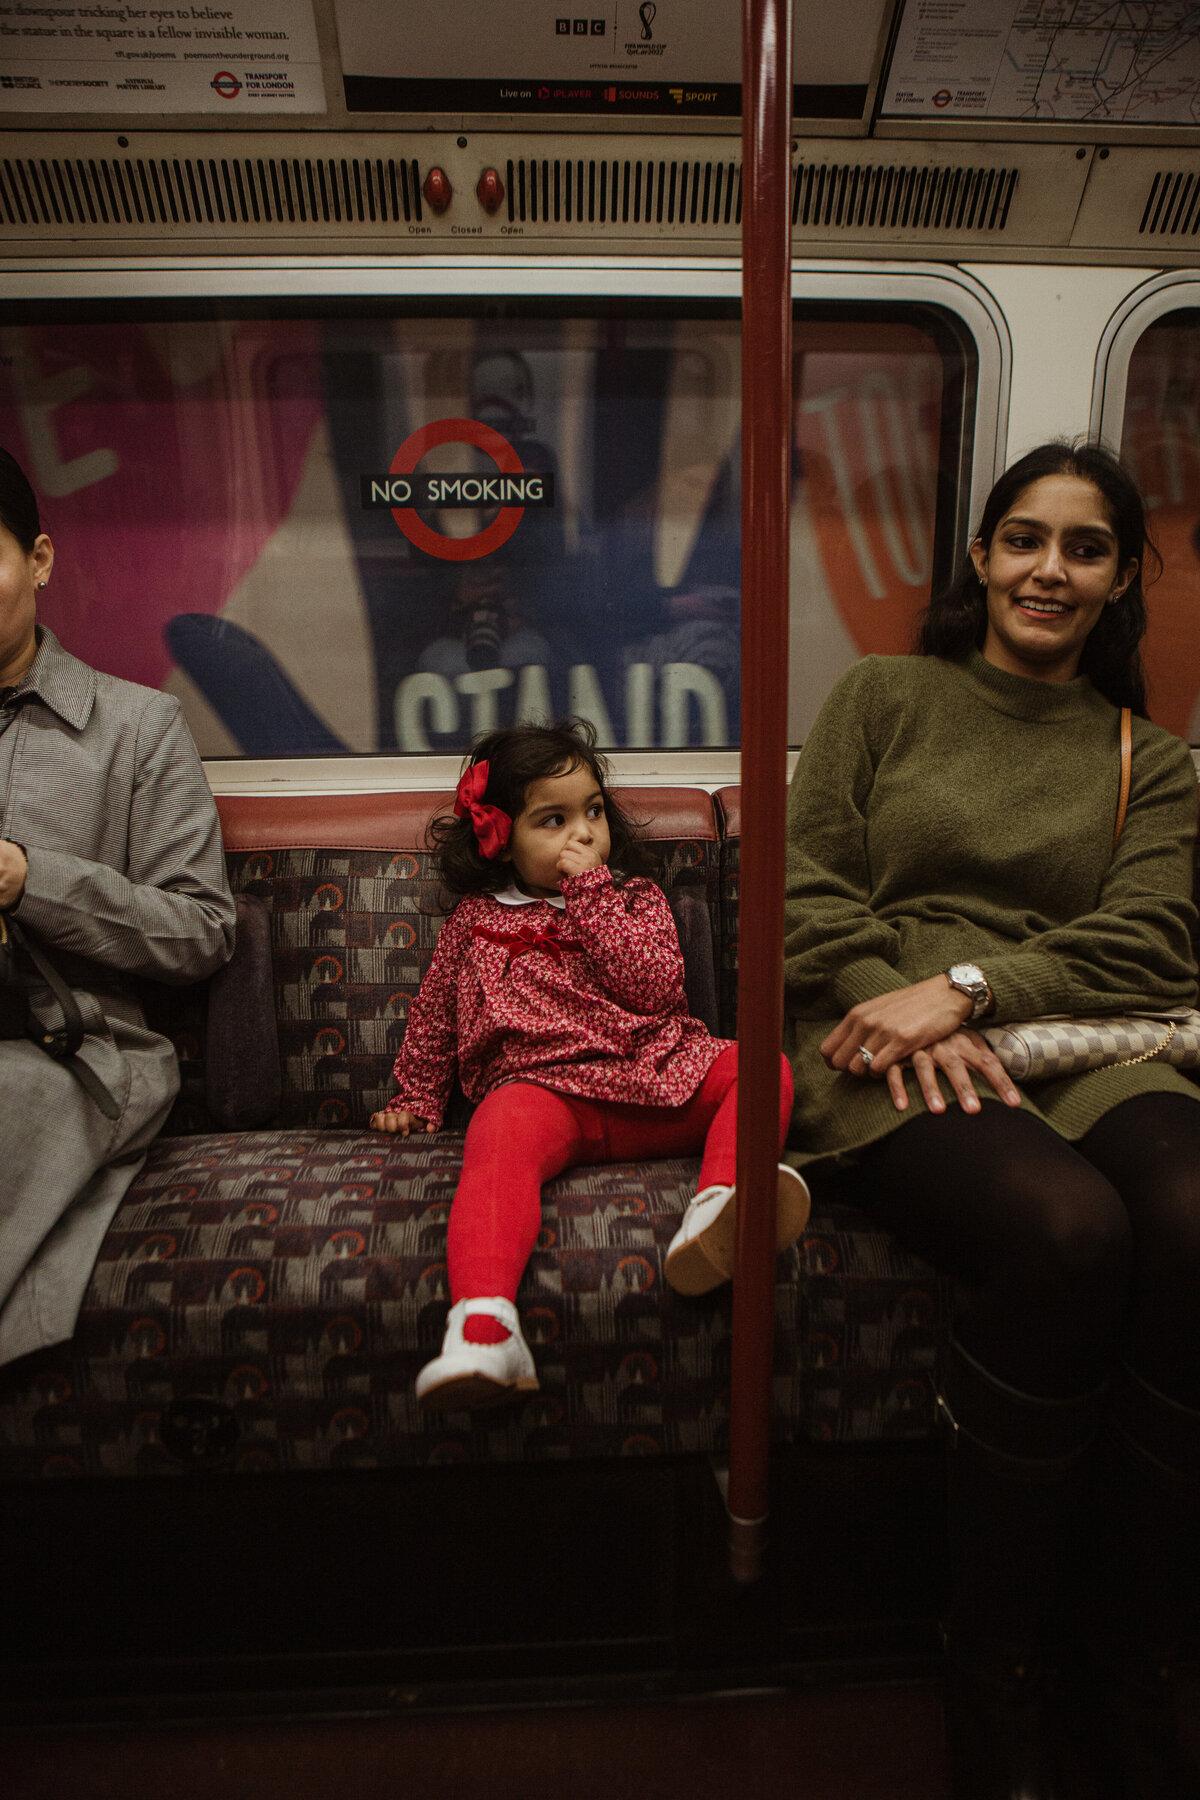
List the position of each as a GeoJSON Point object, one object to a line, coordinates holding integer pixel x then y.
{"type": "Point", "coordinates": [951, 860]}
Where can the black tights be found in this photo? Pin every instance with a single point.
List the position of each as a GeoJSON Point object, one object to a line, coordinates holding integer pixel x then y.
{"type": "Point", "coordinates": [1072, 1255]}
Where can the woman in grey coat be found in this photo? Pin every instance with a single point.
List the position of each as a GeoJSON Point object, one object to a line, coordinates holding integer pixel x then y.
{"type": "Point", "coordinates": [111, 864]}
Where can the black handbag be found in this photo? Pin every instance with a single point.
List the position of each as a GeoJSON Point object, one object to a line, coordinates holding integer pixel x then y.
{"type": "Point", "coordinates": [17, 1018]}
{"type": "Point", "coordinates": [14, 1007]}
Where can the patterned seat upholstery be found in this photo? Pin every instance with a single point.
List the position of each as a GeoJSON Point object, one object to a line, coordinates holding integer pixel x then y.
{"type": "Point", "coordinates": [264, 1298]}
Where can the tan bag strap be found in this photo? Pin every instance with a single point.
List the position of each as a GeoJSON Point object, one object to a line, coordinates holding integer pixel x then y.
{"type": "Point", "coordinates": [1126, 770]}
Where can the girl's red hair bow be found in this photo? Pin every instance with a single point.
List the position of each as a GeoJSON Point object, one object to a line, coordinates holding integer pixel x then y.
{"type": "Point", "coordinates": [492, 827]}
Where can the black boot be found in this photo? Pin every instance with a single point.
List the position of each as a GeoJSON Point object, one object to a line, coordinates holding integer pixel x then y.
{"type": "Point", "coordinates": [1016, 1479]}
{"type": "Point", "coordinates": [1140, 1596]}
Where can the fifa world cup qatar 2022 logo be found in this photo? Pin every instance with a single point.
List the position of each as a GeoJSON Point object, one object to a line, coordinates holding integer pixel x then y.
{"type": "Point", "coordinates": [405, 493]}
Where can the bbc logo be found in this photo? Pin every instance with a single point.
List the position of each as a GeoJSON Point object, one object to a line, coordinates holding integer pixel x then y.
{"type": "Point", "coordinates": [579, 27]}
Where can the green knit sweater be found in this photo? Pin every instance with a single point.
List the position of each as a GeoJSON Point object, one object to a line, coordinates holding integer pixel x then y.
{"type": "Point", "coordinates": [949, 812]}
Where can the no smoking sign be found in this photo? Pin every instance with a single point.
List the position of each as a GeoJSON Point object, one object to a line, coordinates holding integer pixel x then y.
{"type": "Point", "coordinates": [402, 490]}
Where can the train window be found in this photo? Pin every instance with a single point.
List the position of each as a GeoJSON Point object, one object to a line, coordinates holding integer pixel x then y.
{"type": "Point", "coordinates": [340, 526]}
{"type": "Point", "coordinates": [1160, 440]}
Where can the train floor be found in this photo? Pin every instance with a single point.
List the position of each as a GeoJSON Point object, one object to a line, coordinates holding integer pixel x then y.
{"type": "Point", "coordinates": [297, 1640]}
{"type": "Point", "coordinates": [881, 1742]}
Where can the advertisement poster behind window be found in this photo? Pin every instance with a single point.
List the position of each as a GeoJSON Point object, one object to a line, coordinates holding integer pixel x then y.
{"type": "Point", "coordinates": [357, 533]}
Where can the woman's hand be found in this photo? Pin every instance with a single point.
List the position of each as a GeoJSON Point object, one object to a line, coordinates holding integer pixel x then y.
{"type": "Point", "coordinates": [13, 864]}
{"type": "Point", "coordinates": [402, 1122]}
{"type": "Point", "coordinates": [919, 1027]}
{"type": "Point", "coordinates": [892, 1027]}
{"type": "Point", "coordinates": [955, 1056]}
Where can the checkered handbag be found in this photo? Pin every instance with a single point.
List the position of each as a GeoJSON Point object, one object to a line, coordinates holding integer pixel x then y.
{"type": "Point", "coordinates": [1043, 1049]}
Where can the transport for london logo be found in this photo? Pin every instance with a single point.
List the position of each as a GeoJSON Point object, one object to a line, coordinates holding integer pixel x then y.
{"type": "Point", "coordinates": [402, 490]}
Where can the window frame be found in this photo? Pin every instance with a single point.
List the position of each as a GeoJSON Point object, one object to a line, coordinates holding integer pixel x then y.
{"type": "Point", "coordinates": [980, 431]}
{"type": "Point", "coordinates": [1147, 303]}
{"type": "Point", "coordinates": [1176, 291]}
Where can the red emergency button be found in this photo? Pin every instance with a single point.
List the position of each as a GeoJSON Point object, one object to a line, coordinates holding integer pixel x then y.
{"type": "Point", "coordinates": [490, 191]}
{"type": "Point", "coordinates": [437, 190]}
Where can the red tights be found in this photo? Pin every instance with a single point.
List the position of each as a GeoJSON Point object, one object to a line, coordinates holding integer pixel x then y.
{"type": "Point", "coordinates": [523, 1135]}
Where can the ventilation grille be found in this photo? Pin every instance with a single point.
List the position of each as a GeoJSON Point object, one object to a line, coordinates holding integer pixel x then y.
{"type": "Point", "coordinates": [1172, 205]}
{"type": "Point", "coordinates": [208, 191]}
{"type": "Point", "coordinates": [825, 196]}
{"type": "Point", "coordinates": [156, 195]}
{"type": "Point", "coordinates": [587, 192]}
{"type": "Point", "coordinates": [851, 197]}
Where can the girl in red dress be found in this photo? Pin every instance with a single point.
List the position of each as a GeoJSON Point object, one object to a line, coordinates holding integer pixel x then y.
{"type": "Point", "coordinates": [556, 995]}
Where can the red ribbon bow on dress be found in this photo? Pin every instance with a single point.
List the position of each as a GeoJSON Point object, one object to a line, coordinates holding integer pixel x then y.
{"type": "Point", "coordinates": [492, 827]}
{"type": "Point", "coordinates": [527, 937]}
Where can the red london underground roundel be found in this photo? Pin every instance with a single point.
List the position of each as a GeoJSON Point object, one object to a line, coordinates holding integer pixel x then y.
{"type": "Point", "coordinates": [225, 84]}
{"type": "Point", "coordinates": [458, 431]}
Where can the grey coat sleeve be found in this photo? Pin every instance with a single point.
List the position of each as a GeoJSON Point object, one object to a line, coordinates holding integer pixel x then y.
{"type": "Point", "coordinates": [168, 914]}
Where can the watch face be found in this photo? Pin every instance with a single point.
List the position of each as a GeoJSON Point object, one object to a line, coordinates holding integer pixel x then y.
{"type": "Point", "coordinates": [970, 980]}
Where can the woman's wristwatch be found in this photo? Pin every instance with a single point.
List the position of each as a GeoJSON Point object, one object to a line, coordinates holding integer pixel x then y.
{"type": "Point", "coordinates": [970, 980]}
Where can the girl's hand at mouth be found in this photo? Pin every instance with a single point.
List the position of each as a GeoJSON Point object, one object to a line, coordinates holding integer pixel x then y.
{"type": "Point", "coordinates": [577, 859]}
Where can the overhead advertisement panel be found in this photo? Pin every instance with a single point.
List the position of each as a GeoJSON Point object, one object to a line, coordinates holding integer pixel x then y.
{"type": "Point", "coordinates": [107, 56]}
{"type": "Point", "coordinates": [1046, 62]}
{"type": "Point", "coordinates": [651, 57]}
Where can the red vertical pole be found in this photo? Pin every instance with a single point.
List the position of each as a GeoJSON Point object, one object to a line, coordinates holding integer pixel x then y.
{"type": "Point", "coordinates": [766, 499]}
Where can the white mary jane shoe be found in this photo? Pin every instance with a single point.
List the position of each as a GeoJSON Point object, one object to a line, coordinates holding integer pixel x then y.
{"type": "Point", "coordinates": [700, 1255]}
{"type": "Point", "coordinates": [470, 1375]}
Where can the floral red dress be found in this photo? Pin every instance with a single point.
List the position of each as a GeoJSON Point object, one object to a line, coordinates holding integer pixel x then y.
{"type": "Point", "coordinates": [583, 995]}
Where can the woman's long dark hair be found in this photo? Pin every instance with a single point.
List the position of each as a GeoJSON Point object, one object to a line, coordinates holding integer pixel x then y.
{"type": "Point", "coordinates": [517, 756]}
{"type": "Point", "coordinates": [18, 503]}
{"type": "Point", "coordinates": [955, 622]}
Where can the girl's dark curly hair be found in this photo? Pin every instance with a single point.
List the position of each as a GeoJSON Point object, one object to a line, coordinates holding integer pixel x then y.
{"type": "Point", "coordinates": [956, 620]}
{"type": "Point", "coordinates": [517, 756]}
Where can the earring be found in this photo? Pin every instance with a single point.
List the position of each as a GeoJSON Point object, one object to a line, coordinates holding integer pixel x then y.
{"type": "Point", "coordinates": [983, 581]}
{"type": "Point", "coordinates": [43, 584]}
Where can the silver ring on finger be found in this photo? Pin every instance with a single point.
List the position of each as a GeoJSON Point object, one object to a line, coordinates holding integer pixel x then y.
{"type": "Point", "coordinates": [866, 1057]}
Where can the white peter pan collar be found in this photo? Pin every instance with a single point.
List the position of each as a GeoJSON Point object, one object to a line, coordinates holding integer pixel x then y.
{"type": "Point", "coordinates": [512, 896]}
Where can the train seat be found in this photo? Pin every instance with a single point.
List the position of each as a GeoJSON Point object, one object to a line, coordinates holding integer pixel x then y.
{"type": "Point", "coordinates": [275, 1276]}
